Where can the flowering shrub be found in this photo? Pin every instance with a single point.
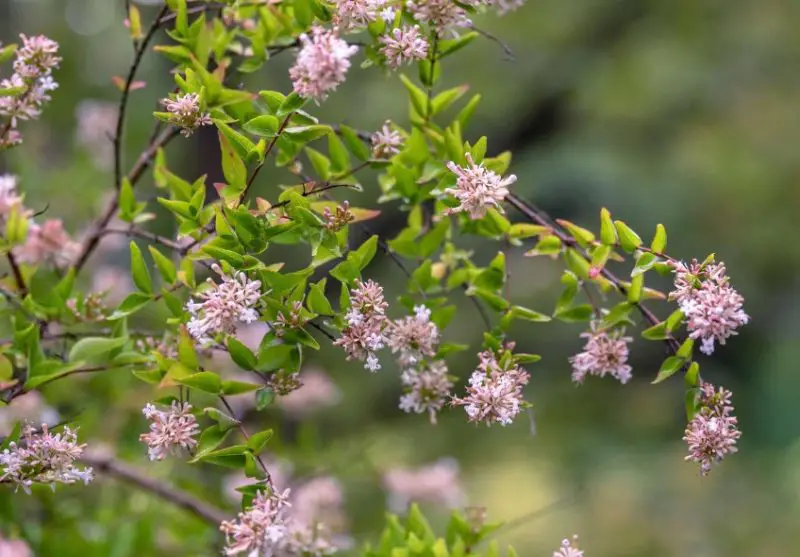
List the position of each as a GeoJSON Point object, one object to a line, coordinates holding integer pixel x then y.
{"type": "Point", "coordinates": [451, 191]}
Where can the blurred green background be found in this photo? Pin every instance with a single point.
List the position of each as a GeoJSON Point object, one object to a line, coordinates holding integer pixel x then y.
{"type": "Point", "coordinates": [673, 111]}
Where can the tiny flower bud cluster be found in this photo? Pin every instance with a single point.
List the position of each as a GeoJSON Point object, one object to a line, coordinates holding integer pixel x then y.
{"type": "Point", "coordinates": [478, 188]}
{"type": "Point", "coordinates": [185, 112]}
{"type": "Point", "coordinates": [43, 457]}
{"type": "Point", "coordinates": [494, 394]}
{"type": "Point", "coordinates": [366, 321]}
{"type": "Point", "coordinates": [404, 45]}
{"type": "Point", "coordinates": [569, 548]}
{"type": "Point", "coordinates": [170, 430]}
{"type": "Point", "coordinates": [711, 306]}
{"type": "Point", "coordinates": [35, 61]}
{"type": "Point", "coordinates": [713, 432]}
{"type": "Point", "coordinates": [261, 528]}
{"type": "Point", "coordinates": [605, 353]}
{"type": "Point", "coordinates": [386, 142]}
{"type": "Point", "coordinates": [321, 64]}
{"type": "Point", "coordinates": [335, 221]}
{"type": "Point", "coordinates": [223, 306]}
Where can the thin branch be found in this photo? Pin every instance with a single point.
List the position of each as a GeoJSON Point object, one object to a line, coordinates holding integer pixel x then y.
{"type": "Point", "coordinates": [11, 392]}
{"type": "Point", "coordinates": [182, 499]}
{"type": "Point", "coordinates": [269, 149]}
{"type": "Point", "coordinates": [246, 436]}
{"type": "Point", "coordinates": [145, 235]}
{"type": "Point", "coordinates": [18, 278]}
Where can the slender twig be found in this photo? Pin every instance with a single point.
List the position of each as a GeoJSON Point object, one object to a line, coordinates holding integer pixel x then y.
{"type": "Point", "coordinates": [11, 392]}
{"type": "Point", "coordinates": [182, 499]}
{"type": "Point", "coordinates": [145, 235]}
{"type": "Point", "coordinates": [246, 436]}
{"type": "Point", "coordinates": [269, 148]}
{"type": "Point", "coordinates": [18, 278]}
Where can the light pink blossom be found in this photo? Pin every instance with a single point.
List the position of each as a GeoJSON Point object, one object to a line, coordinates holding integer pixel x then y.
{"type": "Point", "coordinates": [48, 242]}
{"type": "Point", "coordinates": [426, 388]}
{"type": "Point", "coordinates": [386, 142]}
{"type": "Point", "coordinates": [186, 113]}
{"type": "Point", "coordinates": [713, 432]}
{"type": "Point", "coordinates": [605, 353]}
{"type": "Point", "coordinates": [170, 430]}
{"type": "Point", "coordinates": [711, 306]}
{"type": "Point", "coordinates": [261, 528]}
{"type": "Point", "coordinates": [404, 45]}
{"type": "Point", "coordinates": [355, 14]}
{"type": "Point", "coordinates": [478, 188]}
{"type": "Point", "coordinates": [321, 64]}
{"type": "Point", "coordinates": [366, 320]}
{"type": "Point", "coordinates": [444, 16]}
{"type": "Point", "coordinates": [414, 337]}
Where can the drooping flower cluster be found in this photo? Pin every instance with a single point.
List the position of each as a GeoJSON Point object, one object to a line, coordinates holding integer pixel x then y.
{"type": "Point", "coordinates": [713, 432]}
{"type": "Point", "coordinates": [170, 430]}
{"type": "Point", "coordinates": [426, 388]}
{"type": "Point", "coordinates": [569, 548]}
{"type": "Point", "coordinates": [404, 45]}
{"type": "Point", "coordinates": [43, 457]}
{"type": "Point", "coordinates": [478, 188]}
{"type": "Point", "coordinates": [259, 530]}
{"type": "Point", "coordinates": [366, 321]}
{"type": "Point", "coordinates": [386, 142]}
{"type": "Point", "coordinates": [605, 353]}
{"type": "Point", "coordinates": [224, 306]}
{"type": "Point", "coordinates": [438, 483]}
{"type": "Point", "coordinates": [414, 337]}
{"type": "Point", "coordinates": [321, 64]}
{"type": "Point", "coordinates": [494, 394]}
{"type": "Point", "coordinates": [48, 242]}
{"type": "Point", "coordinates": [32, 81]}
{"type": "Point", "coordinates": [444, 16]}
{"type": "Point", "coordinates": [711, 306]}
{"type": "Point", "coordinates": [186, 112]}
{"type": "Point", "coordinates": [355, 14]}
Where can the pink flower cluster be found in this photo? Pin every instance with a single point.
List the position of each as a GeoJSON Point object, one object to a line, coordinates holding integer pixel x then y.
{"type": "Point", "coordinates": [355, 14]}
{"type": "Point", "coordinates": [366, 321]}
{"type": "Point", "coordinates": [48, 242]}
{"type": "Point", "coordinates": [426, 388]}
{"type": "Point", "coordinates": [404, 45]}
{"type": "Point", "coordinates": [223, 306]}
{"type": "Point", "coordinates": [605, 353]}
{"type": "Point", "coordinates": [43, 457]}
{"type": "Point", "coordinates": [261, 528]}
{"type": "Point", "coordinates": [35, 61]}
{"type": "Point", "coordinates": [711, 306]}
{"type": "Point", "coordinates": [321, 64]}
{"type": "Point", "coordinates": [386, 142]}
{"type": "Point", "coordinates": [478, 188]}
{"type": "Point", "coordinates": [170, 430]}
{"type": "Point", "coordinates": [436, 483]}
{"type": "Point", "coordinates": [443, 16]}
{"type": "Point", "coordinates": [569, 548]}
{"type": "Point", "coordinates": [185, 111]}
{"type": "Point", "coordinates": [414, 337]}
{"type": "Point", "coordinates": [494, 394]}
{"type": "Point", "coordinates": [713, 432]}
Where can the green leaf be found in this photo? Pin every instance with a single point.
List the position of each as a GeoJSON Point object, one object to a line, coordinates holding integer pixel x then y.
{"type": "Point", "coordinates": [365, 252]}
{"type": "Point", "coordinates": [692, 377]}
{"type": "Point", "coordinates": [166, 267]}
{"type": "Point", "coordinates": [644, 263]}
{"type": "Point", "coordinates": [133, 303]}
{"type": "Point", "coordinates": [258, 441]}
{"type": "Point", "coordinates": [338, 154]}
{"type": "Point", "coordinates": [231, 387]}
{"type": "Point", "coordinates": [265, 125]}
{"type": "Point", "coordinates": [187, 355]}
{"type": "Point", "coordinates": [628, 239]}
{"type": "Point", "coordinates": [417, 96]}
{"type": "Point", "coordinates": [206, 381]}
{"type": "Point", "coordinates": [656, 332]}
{"type": "Point", "coordinates": [304, 134]}
{"type": "Point", "coordinates": [668, 368]}
{"type": "Point", "coordinates": [659, 243]}
{"type": "Point", "coordinates": [291, 104]}
{"type": "Point", "coordinates": [582, 312]}
{"type": "Point", "coordinates": [264, 397]}
{"type": "Point", "coordinates": [233, 167]}
{"type": "Point", "coordinates": [635, 289]}
{"type": "Point", "coordinates": [317, 302]}
{"type": "Point", "coordinates": [241, 354]}
{"type": "Point", "coordinates": [141, 276]}
{"type": "Point", "coordinates": [584, 237]}
{"type": "Point", "coordinates": [272, 358]}
{"type": "Point", "coordinates": [608, 232]}
{"type": "Point", "coordinates": [354, 143]}
{"type": "Point", "coordinates": [95, 350]}
{"type": "Point", "coordinates": [685, 351]}
{"type": "Point", "coordinates": [520, 312]}
{"type": "Point", "coordinates": [211, 438]}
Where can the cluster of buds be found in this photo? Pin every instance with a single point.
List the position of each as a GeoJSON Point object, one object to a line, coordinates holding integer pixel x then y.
{"type": "Point", "coordinates": [28, 86]}
{"type": "Point", "coordinates": [366, 321]}
{"type": "Point", "coordinates": [223, 306]}
{"type": "Point", "coordinates": [477, 188]}
{"type": "Point", "coordinates": [711, 306]}
{"type": "Point", "coordinates": [605, 353]}
{"type": "Point", "coordinates": [290, 319]}
{"type": "Point", "coordinates": [185, 111]}
{"type": "Point", "coordinates": [170, 430]}
{"type": "Point", "coordinates": [89, 309]}
{"type": "Point", "coordinates": [494, 394]}
{"type": "Point", "coordinates": [713, 432]}
{"type": "Point", "coordinates": [339, 218]}
{"type": "Point", "coordinates": [43, 457]}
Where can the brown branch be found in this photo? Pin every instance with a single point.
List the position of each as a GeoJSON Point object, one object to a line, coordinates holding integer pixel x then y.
{"type": "Point", "coordinates": [269, 149]}
{"type": "Point", "coordinates": [18, 278]}
{"type": "Point", "coordinates": [182, 499]}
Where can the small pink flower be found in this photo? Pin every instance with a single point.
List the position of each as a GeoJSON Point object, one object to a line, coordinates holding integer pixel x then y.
{"type": "Point", "coordinates": [185, 113]}
{"type": "Point", "coordinates": [414, 337]}
{"type": "Point", "coordinates": [366, 320]}
{"type": "Point", "coordinates": [427, 387]}
{"type": "Point", "coordinates": [478, 188]}
{"type": "Point", "coordinates": [605, 353]}
{"type": "Point", "coordinates": [386, 142]}
{"type": "Point", "coordinates": [569, 548]}
{"type": "Point", "coordinates": [355, 14]}
{"type": "Point", "coordinates": [321, 65]}
{"type": "Point", "coordinates": [48, 242]}
{"type": "Point", "coordinates": [713, 432]}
